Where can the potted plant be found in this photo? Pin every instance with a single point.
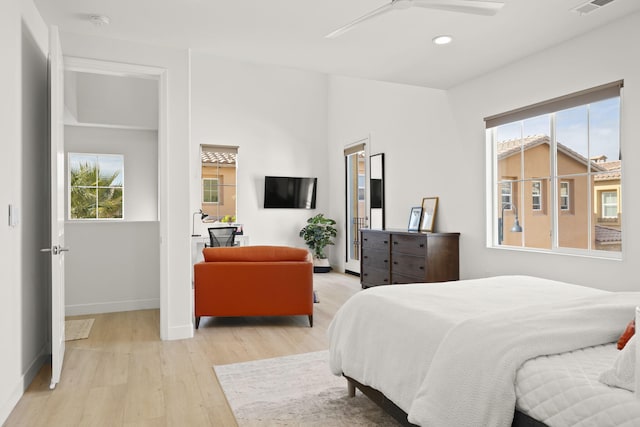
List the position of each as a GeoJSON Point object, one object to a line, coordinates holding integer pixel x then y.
{"type": "Point", "coordinates": [317, 234]}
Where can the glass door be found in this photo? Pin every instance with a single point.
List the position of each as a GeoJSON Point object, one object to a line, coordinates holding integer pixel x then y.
{"type": "Point", "coordinates": [356, 179]}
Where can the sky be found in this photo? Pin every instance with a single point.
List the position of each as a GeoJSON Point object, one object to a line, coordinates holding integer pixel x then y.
{"type": "Point", "coordinates": [590, 130]}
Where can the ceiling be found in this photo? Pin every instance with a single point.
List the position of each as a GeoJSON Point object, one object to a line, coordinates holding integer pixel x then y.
{"type": "Point", "coordinates": [393, 47]}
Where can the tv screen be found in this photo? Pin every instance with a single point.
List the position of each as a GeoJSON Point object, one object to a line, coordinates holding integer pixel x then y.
{"type": "Point", "coordinates": [289, 192]}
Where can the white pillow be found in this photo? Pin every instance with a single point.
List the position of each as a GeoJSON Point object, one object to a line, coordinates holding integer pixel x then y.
{"type": "Point", "coordinates": [623, 373]}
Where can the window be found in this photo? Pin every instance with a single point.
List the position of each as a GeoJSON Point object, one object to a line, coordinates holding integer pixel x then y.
{"type": "Point", "coordinates": [567, 153]}
{"type": "Point", "coordinates": [536, 195]}
{"type": "Point", "coordinates": [609, 204]}
{"type": "Point", "coordinates": [565, 196]}
{"type": "Point", "coordinates": [506, 191]}
{"type": "Point", "coordinates": [219, 188]}
{"type": "Point", "coordinates": [210, 187]}
{"type": "Point", "coordinates": [96, 186]}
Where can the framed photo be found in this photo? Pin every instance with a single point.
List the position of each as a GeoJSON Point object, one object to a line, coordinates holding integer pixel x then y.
{"type": "Point", "coordinates": [414, 218]}
{"type": "Point", "coordinates": [429, 207]}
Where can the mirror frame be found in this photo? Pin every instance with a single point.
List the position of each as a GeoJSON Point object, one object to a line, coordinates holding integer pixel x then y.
{"type": "Point", "coordinates": [376, 183]}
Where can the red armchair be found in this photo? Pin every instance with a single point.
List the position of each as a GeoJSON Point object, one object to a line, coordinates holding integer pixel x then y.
{"type": "Point", "coordinates": [254, 281]}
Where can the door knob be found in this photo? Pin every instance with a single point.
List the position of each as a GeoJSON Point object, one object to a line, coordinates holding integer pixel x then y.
{"type": "Point", "coordinates": [55, 249]}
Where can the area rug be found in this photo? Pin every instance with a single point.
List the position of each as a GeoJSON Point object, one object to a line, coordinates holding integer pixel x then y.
{"type": "Point", "coordinates": [77, 329]}
{"type": "Point", "coordinates": [297, 390]}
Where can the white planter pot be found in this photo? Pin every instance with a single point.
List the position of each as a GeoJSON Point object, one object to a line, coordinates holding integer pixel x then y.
{"type": "Point", "coordinates": [321, 265]}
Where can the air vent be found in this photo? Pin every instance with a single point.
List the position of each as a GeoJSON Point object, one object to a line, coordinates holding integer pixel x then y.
{"type": "Point", "coordinates": [590, 6]}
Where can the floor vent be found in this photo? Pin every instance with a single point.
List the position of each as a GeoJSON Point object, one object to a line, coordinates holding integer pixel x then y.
{"type": "Point", "coordinates": [590, 6]}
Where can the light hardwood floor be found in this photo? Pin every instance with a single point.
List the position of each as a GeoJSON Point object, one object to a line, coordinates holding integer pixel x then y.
{"type": "Point", "coordinates": [124, 375]}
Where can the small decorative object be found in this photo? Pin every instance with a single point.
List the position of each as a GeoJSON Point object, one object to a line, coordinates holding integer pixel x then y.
{"type": "Point", "coordinates": [429, 206]}
{"type": "Point", "coordinates": [317, 234]}
{"type": "Point", "coordinates": [414, 218]}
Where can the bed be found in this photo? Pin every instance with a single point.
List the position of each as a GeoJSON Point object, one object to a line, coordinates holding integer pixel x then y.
{"type": "Point", "coordinates": [454, 354]}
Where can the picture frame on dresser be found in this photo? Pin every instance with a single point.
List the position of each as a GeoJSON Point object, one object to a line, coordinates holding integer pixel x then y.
{"type": "Point", "coordinates": [414, 218]}
{"type": "Point", "coordinates": [429, 208]}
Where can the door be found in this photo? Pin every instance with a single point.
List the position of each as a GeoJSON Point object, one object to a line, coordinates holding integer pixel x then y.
{"type": "Point", "coordinates": [356, 179]}
{"type": "Point", "coordinates": [57, 249]}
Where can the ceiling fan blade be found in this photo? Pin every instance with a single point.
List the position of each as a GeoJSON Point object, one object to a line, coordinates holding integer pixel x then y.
{"type": "Point", "coordinates": [474, 7]}
{"type": "Point", "coordinates": [363, 18]}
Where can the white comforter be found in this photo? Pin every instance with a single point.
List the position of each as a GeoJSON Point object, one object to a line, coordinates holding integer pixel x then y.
{"type": "Point", "coordinates": [447, 353]}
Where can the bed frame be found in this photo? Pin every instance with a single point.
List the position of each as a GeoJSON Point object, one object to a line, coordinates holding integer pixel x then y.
{"type": "Point", "coordinates": [519, 419]}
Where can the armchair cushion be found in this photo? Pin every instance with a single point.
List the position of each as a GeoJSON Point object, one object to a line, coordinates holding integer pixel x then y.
{"type": "Point", "coordinates": [255, 254]}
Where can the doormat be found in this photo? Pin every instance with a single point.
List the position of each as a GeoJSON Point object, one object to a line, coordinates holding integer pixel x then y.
{"type": "Point", "coordinates": [77, 329]}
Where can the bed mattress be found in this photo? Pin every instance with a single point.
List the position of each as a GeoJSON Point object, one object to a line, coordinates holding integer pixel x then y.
{"type": "Point", "coordinates": [563, 390]}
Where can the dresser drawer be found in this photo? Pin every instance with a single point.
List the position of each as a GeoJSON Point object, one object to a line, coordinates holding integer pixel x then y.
{"type": "Point", "coordinates": [409, 265]}
{"type": "Point", "coordinates": [375, 240]}
{"type": "Point", "coordinates": [375, 259]}
{"type": "Point", "coordinates": [400, 279]}
{"type": "Point", "coordinates": [409, 244]}
{"type": "Point", "coordinates": [374, 277]}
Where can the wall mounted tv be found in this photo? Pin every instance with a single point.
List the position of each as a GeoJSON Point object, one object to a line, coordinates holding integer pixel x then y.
{"type": "Point", "coordinates": [289, 192]}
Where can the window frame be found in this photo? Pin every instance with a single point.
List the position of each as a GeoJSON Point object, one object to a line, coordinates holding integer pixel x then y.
{"type": "Point", "coordinates": [217, 184]}
{"type": "Point", "coordinates": [603, 204]}
{"type": "Point", "coordinates": [564, 207]}
{"type": "Point", "coordinates": [539, 196]}
{"type": "Point", "coordinates": [220, 158]}
{"type": "Point", "coordinates": [494, 195]}
{"type": "Point", "coordinates": [97, 187]}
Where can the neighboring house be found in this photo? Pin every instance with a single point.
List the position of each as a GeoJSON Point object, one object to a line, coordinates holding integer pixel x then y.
{"type": "Point", "coordinates": [607, 205]}
{"type": "Point", "coordinates": [531, 195]}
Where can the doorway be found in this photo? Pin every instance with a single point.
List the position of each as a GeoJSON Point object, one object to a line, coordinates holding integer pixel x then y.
{"type": "Point", "coordinates": [356, 203]}
{"type": "Point", "coordinates": [105, 117]}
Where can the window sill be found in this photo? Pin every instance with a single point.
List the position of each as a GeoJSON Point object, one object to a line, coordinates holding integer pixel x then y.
{"type": "Point", "coordinates": [614, 256]}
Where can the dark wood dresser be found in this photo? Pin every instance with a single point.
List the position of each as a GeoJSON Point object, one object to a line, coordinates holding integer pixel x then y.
{"type": "Point", "coordinates": [392, 257]}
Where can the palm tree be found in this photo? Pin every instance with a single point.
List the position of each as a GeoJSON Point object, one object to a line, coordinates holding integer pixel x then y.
{"type": "Point", "coordinates": [94, 195]}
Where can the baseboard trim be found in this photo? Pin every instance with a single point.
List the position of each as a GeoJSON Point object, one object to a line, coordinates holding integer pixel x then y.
{"type": "Point", "coordinates": [112, 307]}
{"type": "Point", "coordinates": [179, 332]}
{"type": "Point", "coordinates": [22, 384]}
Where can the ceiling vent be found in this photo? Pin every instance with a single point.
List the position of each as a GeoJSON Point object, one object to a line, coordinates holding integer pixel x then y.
{"type": "Point", "coordinates": [591, 6]}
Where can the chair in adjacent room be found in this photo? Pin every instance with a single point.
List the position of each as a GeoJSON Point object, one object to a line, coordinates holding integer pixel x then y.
{"type": "Point", "coordinates": [222, 236]}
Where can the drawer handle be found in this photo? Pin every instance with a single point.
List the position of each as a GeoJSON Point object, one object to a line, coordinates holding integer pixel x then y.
{"type": "Point", "coordinates": [366, 257]}
{"type": "Point", "coordinates": [386, 280]}
{"type": "Point", "coordinates": [365, 239]}
{"type": "Point", "coordinates": [395, 262]}
{"type": "Point", "coordinates": [422, 267]}
{"type": "Point", "coordinates": [366, 274]}
{"type": "Point", "coordinates": [395, 242]}
{"type": "Point", "coordinates": [386, 242]}
{"type": "Point", "coordinates": [422, 245]}
{"type": "Point", "coordinates": [386, 260]}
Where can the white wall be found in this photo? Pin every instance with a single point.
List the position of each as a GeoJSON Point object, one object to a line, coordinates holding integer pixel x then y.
{"type": "Point", "coordinates": [140, 151]}
{"type": "Point", "coordinates": [111, 267]}
{"type": "Point", "coordinates": [176, 319]}
{"type": "Point", "coordinates": [113, 100]}
{"type": "Point", "coordinates": [278, 119]}
{"type": "Point", "coordinates": [599, 57]}
{"type": "Point", "coordinates": [412, 127]}
{"type": "Point", "coordinates": [22, 292]}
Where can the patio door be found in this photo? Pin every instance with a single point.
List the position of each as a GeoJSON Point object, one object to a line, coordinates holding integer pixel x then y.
{"type": "Point", "coordinates": [356, 180]}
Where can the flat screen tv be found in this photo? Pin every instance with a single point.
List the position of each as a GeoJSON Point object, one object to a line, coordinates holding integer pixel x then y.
{"type": "Point", "coordinates": [290, 192]}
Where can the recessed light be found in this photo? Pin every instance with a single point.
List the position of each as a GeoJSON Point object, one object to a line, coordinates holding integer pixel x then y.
{"type": "Point", "coordinates": [442, 39]}
{"type": "Point", "coordinates": [99, 20]}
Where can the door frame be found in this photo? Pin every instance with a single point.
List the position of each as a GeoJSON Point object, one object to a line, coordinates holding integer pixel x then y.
{"type": "Point", "coordinates": [159, 74]}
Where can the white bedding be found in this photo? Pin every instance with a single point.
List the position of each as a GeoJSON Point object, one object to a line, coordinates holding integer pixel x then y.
{"type": "Point", "coordinates": [389, 337]}
{"type": "Point", "coordinates": [563, 390]}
